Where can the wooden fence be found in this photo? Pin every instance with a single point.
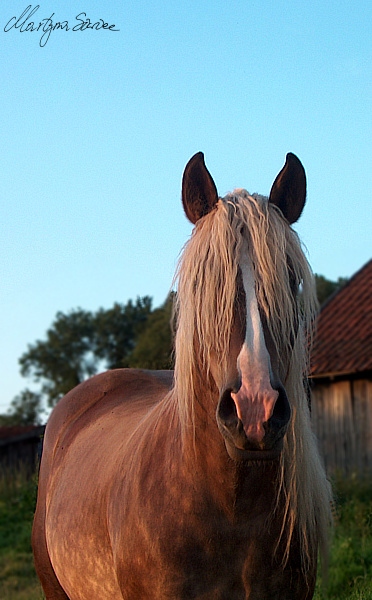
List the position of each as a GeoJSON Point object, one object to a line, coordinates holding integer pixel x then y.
{"type": "Point", "coordinates": [342, 421]}
{"type": "Point", "coordinates": [20, 447]}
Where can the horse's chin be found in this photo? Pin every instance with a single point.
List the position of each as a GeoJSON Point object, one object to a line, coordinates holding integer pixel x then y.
{"type": "Point", "coordinates": [247, 455]}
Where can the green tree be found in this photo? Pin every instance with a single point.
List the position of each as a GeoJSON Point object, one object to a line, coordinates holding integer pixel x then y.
{"type": "Point", "coordinates": [117, 330]}
{"type": "Point", "coordinates": [25, 409]}
{"type": "Point", "coordinates": [80, 343]}
{"type": "Point", "coordinates": [65, 358]}
{"type": "Point", "coordinates": [325, 288]}
{"type": "Point", "coordinates": [153, 349]}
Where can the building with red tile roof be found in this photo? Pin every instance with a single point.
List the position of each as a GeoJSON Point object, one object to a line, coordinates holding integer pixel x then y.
{"type": "Point", "coordinates": [341, 375]}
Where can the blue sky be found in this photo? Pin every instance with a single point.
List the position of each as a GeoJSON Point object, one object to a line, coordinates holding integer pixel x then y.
{"type": "Point", "coordinates": [97, 126]}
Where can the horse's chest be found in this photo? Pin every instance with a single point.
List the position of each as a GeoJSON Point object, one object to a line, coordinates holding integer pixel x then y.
{"type": "Point", "coordinates": [201, 541]}
{"type": "Point", "coordinates": [214, 559]}
{"type": "Point", "coordinates": [183, 565]}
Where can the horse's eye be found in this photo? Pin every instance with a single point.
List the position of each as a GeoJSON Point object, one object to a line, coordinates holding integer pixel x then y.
{"type": "Point", "coordinates": [294, 284]}
{"type": "Point", "coordinates": [293, 279]}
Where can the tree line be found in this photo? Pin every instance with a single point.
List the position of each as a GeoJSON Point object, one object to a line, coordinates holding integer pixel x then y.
{"type": "Point", "coordinates": [81, 343]}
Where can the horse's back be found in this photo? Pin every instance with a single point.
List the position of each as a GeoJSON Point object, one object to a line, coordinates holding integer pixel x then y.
{"type": "Point", "coordinates": [119, 392]}
{"type": "Point", "coordinates": [86, 438]}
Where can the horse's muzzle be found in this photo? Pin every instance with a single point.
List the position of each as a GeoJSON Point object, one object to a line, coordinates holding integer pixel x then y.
{"type": "Point", "coordinates": [238, 444]}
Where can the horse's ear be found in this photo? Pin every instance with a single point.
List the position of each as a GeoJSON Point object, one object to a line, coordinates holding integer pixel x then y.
{"type": "Point", "coordinates": [199, 192]}
{"type": "Point", "coordinates": [289, 189]}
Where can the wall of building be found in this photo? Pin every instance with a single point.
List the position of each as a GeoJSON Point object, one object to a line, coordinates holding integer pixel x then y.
{"type": "Point", "coordinates": [342, 421]}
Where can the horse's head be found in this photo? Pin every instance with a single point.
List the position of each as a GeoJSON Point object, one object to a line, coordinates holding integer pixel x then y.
{"type": "Point", "coordinates": [241, 274]}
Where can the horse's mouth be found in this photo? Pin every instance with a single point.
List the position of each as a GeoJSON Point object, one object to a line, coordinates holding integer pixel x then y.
{"type": "Point", "coordinates": [240, 454]}
{"type": "Point", "coordinates": [238, 444]}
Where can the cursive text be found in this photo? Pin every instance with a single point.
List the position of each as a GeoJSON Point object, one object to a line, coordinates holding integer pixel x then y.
{"type": "Point", "coordinates": [24, 23]}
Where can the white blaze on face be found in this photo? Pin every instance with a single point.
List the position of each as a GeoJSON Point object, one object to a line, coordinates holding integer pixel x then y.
{"type": "Point", "coordinates": [256, 398]}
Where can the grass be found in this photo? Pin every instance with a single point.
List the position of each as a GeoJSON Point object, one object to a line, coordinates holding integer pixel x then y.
{"type": "Point", "coordinates": [17, 501]}
{"type": "Point", "coordinates": [350, 568]}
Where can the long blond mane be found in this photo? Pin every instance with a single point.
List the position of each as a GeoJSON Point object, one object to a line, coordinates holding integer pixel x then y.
{"type": "Point", "coordinates": [206, 277]}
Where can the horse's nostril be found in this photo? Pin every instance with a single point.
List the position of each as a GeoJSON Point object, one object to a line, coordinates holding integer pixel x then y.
{"type": "Point", "coordinates": [282, 410]}
{"type": "Point", "coordinates": [226, 408]}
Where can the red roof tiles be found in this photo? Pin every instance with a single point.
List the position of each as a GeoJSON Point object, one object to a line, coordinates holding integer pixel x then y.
{"type": "Point", "coordinates": [343, 343]}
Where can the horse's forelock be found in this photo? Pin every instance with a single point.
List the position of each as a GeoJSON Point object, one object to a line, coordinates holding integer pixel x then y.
{"type": "Point", "coordinates": [207, 284]}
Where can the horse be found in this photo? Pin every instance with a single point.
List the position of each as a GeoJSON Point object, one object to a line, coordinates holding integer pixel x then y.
{"type": "Point", "coordinates": [202, 483]}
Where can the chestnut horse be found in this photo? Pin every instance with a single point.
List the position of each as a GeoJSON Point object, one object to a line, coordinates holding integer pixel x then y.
{"type": "Point", "coordinates": [203, 483]}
